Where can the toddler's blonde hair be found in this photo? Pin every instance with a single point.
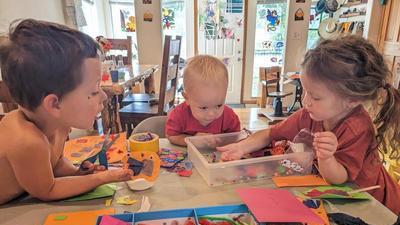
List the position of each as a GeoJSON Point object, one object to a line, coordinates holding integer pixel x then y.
{"type": "Point", "coordinates": [207, 68]}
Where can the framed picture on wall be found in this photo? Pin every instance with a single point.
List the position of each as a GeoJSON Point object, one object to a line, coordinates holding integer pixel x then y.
{"type": "Point", "coordinates": [146, 1]}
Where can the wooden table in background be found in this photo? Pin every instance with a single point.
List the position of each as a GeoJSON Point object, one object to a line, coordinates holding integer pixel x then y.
{"type": "Point", "coordinates": [115, 90]}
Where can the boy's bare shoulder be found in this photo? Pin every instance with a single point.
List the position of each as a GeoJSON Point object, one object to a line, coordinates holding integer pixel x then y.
{"type": "Point", "coordinates": [18, 133]}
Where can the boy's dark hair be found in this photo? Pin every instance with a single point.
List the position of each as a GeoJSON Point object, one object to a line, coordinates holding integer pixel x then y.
{"type": "Point", "coordinates": [42, 58]}
{"type": "Point", "coordinates": [354, 69]}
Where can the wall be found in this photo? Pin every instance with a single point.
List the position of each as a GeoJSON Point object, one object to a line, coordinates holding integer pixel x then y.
{"type": "Point", "coordinates": [149, 36]}
{"type": "Point", "coordinates": [296, 36]}
{"type": "Point", "coordinates": [10, 10]}
{"type": "Point", "coordinates": [250, 45]}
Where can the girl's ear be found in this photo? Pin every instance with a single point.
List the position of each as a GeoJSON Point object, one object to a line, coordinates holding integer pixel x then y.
{"type": "Point", "coordinates": [51, 104]}
{"type": "Point", "coordinates": [352, 103]}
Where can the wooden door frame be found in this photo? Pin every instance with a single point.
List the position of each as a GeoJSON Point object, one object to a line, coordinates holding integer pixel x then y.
{"type": "Point", "coordinates": [390, 49]}
{"type": "Point", "coordinates": [196, 50]}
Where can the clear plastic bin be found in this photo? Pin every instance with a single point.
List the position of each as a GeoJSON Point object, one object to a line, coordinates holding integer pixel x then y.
{"type": "Point", "coordinates": [244, 170]}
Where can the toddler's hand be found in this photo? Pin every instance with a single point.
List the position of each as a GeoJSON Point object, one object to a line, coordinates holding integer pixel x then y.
{"type": "Point", "coordinates": [231, 152]}
{"type": "Point", "coordinates": [89, 168]}
{"type": "Point", "coordinates": [201, 134]}
{"type": "Point", "coordinates": [117, 175]}
{"type": "Point", "coordinates": [325, 144]}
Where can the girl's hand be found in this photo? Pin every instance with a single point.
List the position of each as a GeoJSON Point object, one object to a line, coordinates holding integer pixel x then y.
{"type": "Point", "coordinates": [90, 168]}
{"type": "Point", "coordinates": [325, 144]}
{"type": "Point", "coordinates": [231, 152]}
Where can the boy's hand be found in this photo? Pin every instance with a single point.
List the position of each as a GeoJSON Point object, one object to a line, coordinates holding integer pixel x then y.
{"type": "Point", "coordinates": [116, 175]}
{"type": "Point", "coordinates": [231, 152]}
{"type": "Point", "coordinates": [325, 144]}
{"type": "Point", "coordinates": [89, 168]}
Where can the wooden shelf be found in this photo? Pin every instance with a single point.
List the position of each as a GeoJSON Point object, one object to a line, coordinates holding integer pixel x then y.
{"type": "Point", "coordinates": [351, 15]}
{"type": "Point", "coordinates": [353, 4]}
{"type": "Point", "coordinates": [353, 19]}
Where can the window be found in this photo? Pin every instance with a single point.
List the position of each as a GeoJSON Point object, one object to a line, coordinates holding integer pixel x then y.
{"type": "Point", "coordinates": [269, 38]}
{"type": "Point", "coordinates": [92, 24]}
{"type": "Point", "coordinates": [122, 24]}
{"type": "Point", "coordinates": [173, 18]}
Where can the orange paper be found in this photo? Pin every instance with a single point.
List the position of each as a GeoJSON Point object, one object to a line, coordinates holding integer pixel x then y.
{"type": "Point", "coordinates": [79, 217]}
{"type": "Point", "coordinates": [77, 150]}
{"type": "Point", "coordinates": [320, 211]}
{"type": "Point", "coordinates": [299, 181]}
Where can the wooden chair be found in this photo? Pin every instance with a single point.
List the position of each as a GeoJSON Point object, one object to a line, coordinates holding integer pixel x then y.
{"type": "Point", "coordinates": [270, 77]}
{"type": "Point", "coordinates": [149, 97]}
{"type": "Point", "coordinates": [6, 99]}
{"type": "Point", "coordinates": [132, 114]}
{"type": "Point", "coordinates": [123, 44]}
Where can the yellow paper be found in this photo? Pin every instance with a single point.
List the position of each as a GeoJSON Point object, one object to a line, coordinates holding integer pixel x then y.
{"type": "Point", "coordinates": [108, 202]}
{"type": "Point", "coordinates": [126, 200]}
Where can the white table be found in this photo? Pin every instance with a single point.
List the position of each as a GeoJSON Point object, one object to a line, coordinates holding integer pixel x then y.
{"type": "Point", "coordinates": [172, 191]}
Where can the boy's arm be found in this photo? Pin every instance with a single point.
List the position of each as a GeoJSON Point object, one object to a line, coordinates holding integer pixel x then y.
{"type": "Point", "coordinates": [34, 174]}
{"type": "Point", "coordinates": [65, 167]}
{"type": "Point", "coordinates": [178, 139]}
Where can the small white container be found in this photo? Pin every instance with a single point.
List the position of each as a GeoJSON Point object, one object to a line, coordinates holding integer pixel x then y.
{"type": "Point", "coordinates": [243, 170]}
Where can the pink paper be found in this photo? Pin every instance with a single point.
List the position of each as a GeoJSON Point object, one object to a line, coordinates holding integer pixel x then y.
{"type": "Point", "coordinates": [274, 205]}
{"type": "Point", "coordinates": [109, 220]}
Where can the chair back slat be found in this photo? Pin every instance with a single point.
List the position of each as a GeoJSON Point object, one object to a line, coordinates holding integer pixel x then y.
{"type": "Point", "coordinates": [172, 72]}
{"type": "Point", "coordinates": [123, 44]}
{"type": "Point", "coordinates": [169, 73]}
{"type": "Point", "coordinates": [175, 47]}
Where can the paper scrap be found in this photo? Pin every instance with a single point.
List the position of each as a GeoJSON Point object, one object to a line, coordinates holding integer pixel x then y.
{"type": "Point", "coordinates": [126, 200]}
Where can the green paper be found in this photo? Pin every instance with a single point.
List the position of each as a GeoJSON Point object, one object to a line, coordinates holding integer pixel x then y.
{"type": "Point", "coordinates": [359, 195]}
{"type": "Point", "coordinates": [60, 217]}
{"type": "Point", "coordinates": [101, 191]}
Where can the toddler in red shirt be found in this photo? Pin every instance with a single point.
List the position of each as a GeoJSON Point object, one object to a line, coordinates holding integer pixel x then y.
{"type": "Point", "coordinates": [205, 82]}
{"type": "Point", "coordinates": [338, 76]}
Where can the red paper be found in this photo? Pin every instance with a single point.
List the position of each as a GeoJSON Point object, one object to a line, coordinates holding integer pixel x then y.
{"type": "Point", "coordinates": [109, 220]}
{"type": "Point", "coordinates": [274, 205]}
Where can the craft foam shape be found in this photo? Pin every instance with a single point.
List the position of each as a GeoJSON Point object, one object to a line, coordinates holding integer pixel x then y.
{"type": "Point", "coordinates": [145, 157]}
{"type": "Point", "coordinates": [79, 217]}
{"type": "Point", "coordinates": [77, 150]}
{"type": "Point", "coordinates": [299, 181]}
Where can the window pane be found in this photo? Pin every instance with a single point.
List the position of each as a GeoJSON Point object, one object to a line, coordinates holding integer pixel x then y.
{"type": "Point", "coordinates": [269, 38]}
{"type": "Point", "coordinates": [124, 23]}
{"type": "Point", "coordinates": [174, 20]}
